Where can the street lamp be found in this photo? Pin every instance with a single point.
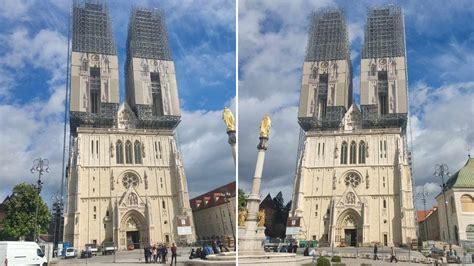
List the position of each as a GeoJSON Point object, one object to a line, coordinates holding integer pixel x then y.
{"type": "Point", "coordinates": [40, 166]}
{"type": "Point", "coordinates": [423, 195]}
{"type": "Point", "coordinates": [441, 170]}
{"type": "Point", "coordinates": [226, 196]}
{"type": "Point", "coordinates": [57, 209]}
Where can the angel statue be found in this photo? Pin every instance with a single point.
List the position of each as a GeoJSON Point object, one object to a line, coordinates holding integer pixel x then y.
{"type": "Point", "coordinates": [261, 218]}
{"type": "Point", "coordinates": [265, 126]}
{"type": "Point", "coordinates": [228, 118]}
{"type": "Point", "coordinates": [242, 216]}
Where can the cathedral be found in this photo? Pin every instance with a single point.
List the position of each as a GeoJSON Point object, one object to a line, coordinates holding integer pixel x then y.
{"type": "Point", "coordinates": [125, 179]}
{"type": "Point", "coordinates": [353, 184]}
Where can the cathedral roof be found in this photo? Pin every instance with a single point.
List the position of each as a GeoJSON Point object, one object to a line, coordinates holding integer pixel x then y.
{"type": "Point", "coordinates": [464, 178]}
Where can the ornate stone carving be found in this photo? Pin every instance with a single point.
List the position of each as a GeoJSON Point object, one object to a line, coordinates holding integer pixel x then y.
{"type": "Point", "coordinates": [242, 216]}
{"type": "Point", "coordinates": [261, 218]}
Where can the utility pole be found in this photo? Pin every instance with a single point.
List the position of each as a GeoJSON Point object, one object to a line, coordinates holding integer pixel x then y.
{"type": "Point", "coordinates": [423, 199]}
{"type": "Point", "coordinates": [441, 170]}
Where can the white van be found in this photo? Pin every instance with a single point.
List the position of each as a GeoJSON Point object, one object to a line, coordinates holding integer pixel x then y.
{"type": "Point", "coordinates": [21, 253]}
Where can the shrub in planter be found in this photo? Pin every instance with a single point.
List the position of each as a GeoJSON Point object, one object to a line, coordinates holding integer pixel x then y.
{"type": "Point", "coordinates": [336, 259]}
{"type": "Point", "coordinates": [322, 261]}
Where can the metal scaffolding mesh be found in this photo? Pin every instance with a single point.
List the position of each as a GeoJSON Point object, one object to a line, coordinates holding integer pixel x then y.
{"type": "Point", "coordinates": [384, 33]}
{"type": "Point", "coordinates": [92, 28]}
{"type": "Point", "coordinates": [147, 35]}
{"type": "Point", "coordinates": [328, 38]}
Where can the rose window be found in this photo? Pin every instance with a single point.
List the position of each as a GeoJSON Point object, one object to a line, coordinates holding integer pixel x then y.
{"type": "Point", "coordinates": [352, 179]}
{"type": "Point", "coordinates": [130, 180]}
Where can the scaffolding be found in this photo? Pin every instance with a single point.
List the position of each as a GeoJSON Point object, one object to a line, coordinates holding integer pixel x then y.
{"type": "Point", "coordinates": [92, 28]}
{"type": "Point", "coordinates": [328, 37]}
{"type": "Point", "coordinates": [384, 33]}
{"type": "Point", "coordinates": [147, 35]}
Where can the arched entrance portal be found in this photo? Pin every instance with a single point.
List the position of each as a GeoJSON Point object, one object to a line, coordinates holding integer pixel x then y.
{"type": "Point", "coordinates": [133, 230]}
{"type": "Point", "coordinates": [349, 228]}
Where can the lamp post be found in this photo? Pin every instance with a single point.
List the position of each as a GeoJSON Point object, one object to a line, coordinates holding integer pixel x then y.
{"type": "Point", "coordinates": [423, 195]}
{"type": "Point", "coordinates": [57, 208]}
{"type": "Point", "coordinates": [226, 196]}
{"type": "Point", "coordinates": [40, 166]}
{"type": "Point", "coordinates": [441, 170]}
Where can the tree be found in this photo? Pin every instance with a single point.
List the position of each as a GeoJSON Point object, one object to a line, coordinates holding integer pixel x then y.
{"type": "Point", "coordinates": [242, 199]}
{"type": "Point", "coordinates": [20, 214]}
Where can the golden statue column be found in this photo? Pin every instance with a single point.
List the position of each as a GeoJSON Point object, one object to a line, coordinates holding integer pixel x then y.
{"type": "Point", "coordinates": [229, 121]}
{"type": "Point", "coordinates": [252, 231]}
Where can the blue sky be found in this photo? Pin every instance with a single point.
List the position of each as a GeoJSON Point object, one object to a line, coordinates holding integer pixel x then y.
{"type": "Point", "coordinates": [440, 52]}
{"type": "Point", "coordinates": [33, 53]}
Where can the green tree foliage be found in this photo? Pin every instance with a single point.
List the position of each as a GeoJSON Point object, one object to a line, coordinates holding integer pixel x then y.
{"type": "Point", "coordinates": [20, 210]}
{"type": "Point", "coordinates": [242, 199]}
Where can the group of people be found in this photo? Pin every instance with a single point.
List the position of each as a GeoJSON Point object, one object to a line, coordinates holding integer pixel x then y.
{"type": "Point", "coordinates": [158, 253]}
{"type": "Point", "coordinates": [393, 256]}
{"type": "Point", "coordinates": [208, 249]}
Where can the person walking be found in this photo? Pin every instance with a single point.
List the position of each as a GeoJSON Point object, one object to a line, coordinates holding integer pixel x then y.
{"type": "Point", "coordinates": [174, 255]}
{"type": "Point", "coordinates": [393, 256]}
{"type": "Point", "coordinates": [145, 251]}
{"type": "Point", "coordinates": [154, 252]}
{"type": "Point", "coordinates": [376, 249]}
{"type": "Point", "coordinates": [164, 251]}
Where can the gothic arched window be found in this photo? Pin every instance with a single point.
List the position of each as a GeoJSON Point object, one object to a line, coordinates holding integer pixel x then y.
{"type": "Point", "coordinates": [353, 153]}
{"type": "Point", "coordinates": [128, 152]}
{"type": "Point", "coordinates": [119, 152]}
{"type": "Point", "coordinates": [344, 153]}
{"type": "Point", "coordinates": [138, 152]}
{"type": "Point", "coordinates": [130, 179]}
{"type": "Point", "coordinates": [361, 152]}
{"type": "Point", "coordinates": [352, 179]}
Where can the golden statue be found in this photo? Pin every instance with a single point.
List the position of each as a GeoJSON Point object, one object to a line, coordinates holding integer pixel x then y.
{"type": "Point", "coordinates": [261, 218]}
{"type": "Point", "coordinates": [228, 118]}
{"type": "Point", "coordinates": [265, 126]}
{"type": "Point", "coordinates": [242, 216]}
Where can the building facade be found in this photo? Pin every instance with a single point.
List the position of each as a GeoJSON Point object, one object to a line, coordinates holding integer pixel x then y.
{"type": "Point", "coordinates": [428, 224]}
{"type": "Point", "coordinates": [214, 214]}
{"type": "Point", "coordinates": [353, 183]}
{"type": "Point", "coordinates": [125, 178]}
{"type": "Point", "coordinates": [460, 212]}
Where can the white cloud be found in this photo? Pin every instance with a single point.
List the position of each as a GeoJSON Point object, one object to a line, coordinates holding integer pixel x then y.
{"type": "Point", "coordinates": [15, 9]}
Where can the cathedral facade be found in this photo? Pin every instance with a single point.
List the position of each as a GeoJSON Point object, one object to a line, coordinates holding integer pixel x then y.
{"type": "Point", "coordinates": [125, 179]}
{"type": "Point", "coordinates": [353, 184]}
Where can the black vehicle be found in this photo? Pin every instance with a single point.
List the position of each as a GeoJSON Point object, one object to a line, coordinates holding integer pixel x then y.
{"type": "Point", "coordinates": [86, 253]}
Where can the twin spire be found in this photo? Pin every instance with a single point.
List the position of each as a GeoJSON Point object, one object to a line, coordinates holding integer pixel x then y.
{"type": "Point", "coordinates": [150, 79]}
{"type": "Point", "coordinates": [326, 90]}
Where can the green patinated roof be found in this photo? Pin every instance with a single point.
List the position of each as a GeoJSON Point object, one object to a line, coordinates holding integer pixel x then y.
{"type": "Point", "coordinates": [464, 178]}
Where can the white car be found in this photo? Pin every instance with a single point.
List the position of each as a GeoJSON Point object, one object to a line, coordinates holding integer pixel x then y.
{"type": "Point", "coordinates": [21, 253]}
{"type": "Point", "coordinates": [70, 253]}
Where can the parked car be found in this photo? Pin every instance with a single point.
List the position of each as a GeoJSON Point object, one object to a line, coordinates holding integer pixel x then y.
{"type": "Point", "coordinates": [21, 253]}
{"type": "Point", "coordinates": [92, 248]}
{"type": "Point", "coordinates": [70, 253]}
{"type": "Point", "coordinates": [86, 253]}
{"type": "Point", "coordinates": [436, 253]}
{"type": "Point", "coordinates": [108, 248]}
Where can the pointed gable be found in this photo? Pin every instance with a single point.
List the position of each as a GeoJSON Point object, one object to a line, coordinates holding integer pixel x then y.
{"type": "Point", "coordinates": [131, 198]}
{"type": "Point", "coordinates": [352, 119]}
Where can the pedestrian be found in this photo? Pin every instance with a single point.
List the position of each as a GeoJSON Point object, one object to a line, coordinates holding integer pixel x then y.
{"type": "Point", "coordinates": [174, 255]}
{"type": "Point", "coordinates": [376, 249]}
{"type": "Point", "coordinates": [312, 253]}
{"type": "Point", "coordinates": [145, 251]}
{"type": "Point", "coordinates": [393, 257]}
{"type": "Point", "coordinates": [154, 252]}
{"type": "Point", "coordinates": [295, 247]}
{"type": "Point", "coordinates": [150, 254]}
{"type": "Point", "coordinates": [290, 248]}
{"type": "Point", "coordinates": [164, 251]}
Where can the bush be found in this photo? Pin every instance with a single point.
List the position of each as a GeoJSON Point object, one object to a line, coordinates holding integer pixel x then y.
{"type": "Point", "coordinates": [322, 261]}
{"type": "Point", "coordinates": [336, 259]}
